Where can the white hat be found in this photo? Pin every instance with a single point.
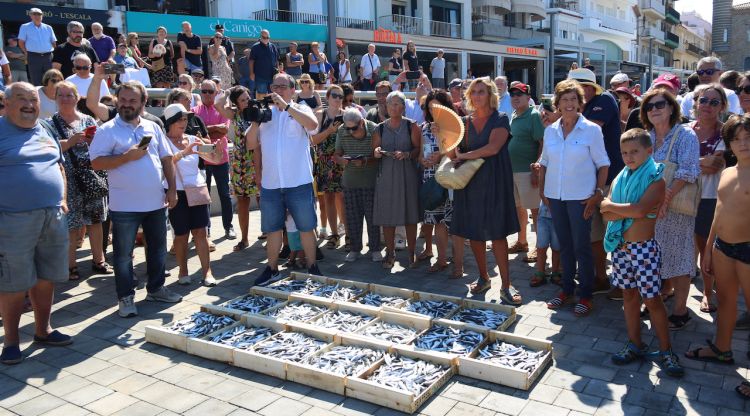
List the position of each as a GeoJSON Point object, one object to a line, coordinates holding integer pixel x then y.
{"type": "Point", "coordinates": [619, 78]}
{"type": "Point", "coordinates": [173, 112]}
{"type": "Point", "coordinates": [585, 77]}
{"type": "Point", "coordinates": [35, 10]}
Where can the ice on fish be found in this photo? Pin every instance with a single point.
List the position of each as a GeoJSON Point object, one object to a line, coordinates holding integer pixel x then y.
{"type": "Point", "coordinates": [346, 360]}
{"type": "Point", "coordinates": [403, 373]}
{"type": "Point", "coordinates": [378, 300]}
{"type": "Point", "coordinates": [252, 303]}
{"type": "Point", "coordinates": [389, 332]}
{"type": "Point", "coordinates": [290, 346]}
{"type": "Point", "coordinates": [483, 317]}
{"type": "Point", "coordinates": [242, 337]}
{"type": "Point", "coordinates": [450, 340]}
{"type": "Point", "coordinates": [512, 356]}
{"type": "Point", "coordinates": [200, 324]}
{"type": "Point", "coordinates": [433, 308]}
{"type": "Point", "coordinates": [297, 311]}
{"type": "Point", "coordinates": [342, 320]}
{"type": "Point", "coordinates": [337, 292]}
{"type": "Point", "coordinates": [296, 286]}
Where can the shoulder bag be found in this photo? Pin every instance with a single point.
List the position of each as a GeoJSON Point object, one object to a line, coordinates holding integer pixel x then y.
{"type": "Point", "coordinates": [196, 195]}
{"type": "Point", "coordinates": [686, 201]}
{"type": "Point", "coordinates": [457, 174]}
{"type": "Point", "coordinates": [91, 184]}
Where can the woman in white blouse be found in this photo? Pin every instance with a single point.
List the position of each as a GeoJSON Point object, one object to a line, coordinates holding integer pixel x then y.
{"type": "Point", "coordinates": [187, 219]}
{"type": "Point", "coordinates": [573, 172]}
{"type": "Point", "coordinates": [47, 103]}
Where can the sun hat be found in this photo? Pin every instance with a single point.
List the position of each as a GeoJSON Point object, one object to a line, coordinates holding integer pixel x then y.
{"type": "Point", "coordinates": [619, 78]}
{"type": "Point", "coordinates": [174, 112]}
{"type": "Point", "coordinates": [451, 128]}
{"type": "Point", "coordinates": [585, 77]}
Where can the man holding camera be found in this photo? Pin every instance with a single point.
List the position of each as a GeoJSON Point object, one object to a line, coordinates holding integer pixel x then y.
{"type": "Point", "coordinates": [136, 154]}
{"type": "Point", "coordinates": [286, 174]}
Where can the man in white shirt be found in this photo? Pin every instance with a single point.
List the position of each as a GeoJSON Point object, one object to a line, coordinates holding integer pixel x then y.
{"type": "Point", "coordinates": [437, 69]}
{"type": "Point", "coordinates": [140, 169]}
{"type": "Point", "coordinates": [504, 105]}
{"type": "Point", "coordinates": [370, 68]}
{"type": "Point", "coordinates": [286, 174]}
{"type": "Point", "coordinates": [82, 77]}
{"type": "Point", "coordinates": [709, 70]}
{"type": "Point", "coordinates": [37, 40]}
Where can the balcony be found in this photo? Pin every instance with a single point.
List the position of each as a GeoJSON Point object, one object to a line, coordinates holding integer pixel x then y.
{"type": "Point", "coordinates": [533, 8]}
{"type": "Point", "coordinates": [355, 23]}
{"type": "Point", "coordinates": [673, 16]}
{"type": "Point", "coordinates": [672, 40]}
{"type": "Point", "coordinates": [657, 60]}
{"type": "Point", "coordinates": [696, 50]}
{"type": "Point", "coordinates": [571, 5]}
{"type": "Point", "coordinates": [495, 28]}
{"type": "Point", "coordinates": [272, 15]}
{"type": "Point", "coordinates": [653, 7]}
{"type": "Point", "coordinates": [657, 34]}
{"type": "Point", "coordinates": [414, 26]}
{"type": "Point", "coordinates": [445, 29]}
{"type": "Point", "coordinates": [607, 24]}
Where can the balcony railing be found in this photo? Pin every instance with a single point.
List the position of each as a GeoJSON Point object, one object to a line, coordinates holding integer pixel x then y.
{"type": "Point", "coordinates": [656, 33]}
{"type": "Point", "coordinates": [673, 16]}
{"type": "Point", "coordinates": [593, 21]}
{"type": "Point", "coordinates": [654, 6]}
{"type": "Point", "coordinates": [403, 24]}
{"type": "Point", "coordinates": [445, 29]}
{"type": "Point", "coordinates": [571, 5]}
{"type": "Point", "coordinates": [696, 49]}
{"type": "Point", "coordinates": [657, 60]}
{"type": "Point", "coordinates": [355, 23]}
{"type": "Point", "coordinates": [273, 15]}
{"type": "Point", "coordinates": [672, 40]}
{"type": "Point", "coordinates": [496, 28]}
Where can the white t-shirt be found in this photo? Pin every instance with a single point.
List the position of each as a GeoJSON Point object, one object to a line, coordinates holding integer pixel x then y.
{"type": "Point", "coordinates": [188, 168]}
{"type": "Point", "coordinates": [3, 59]}
{"type": "Point", "coordinates": [47, 107]}
{"type": "Point", "coordinates": [136, 186]}
{"type": "Point", "coordinates": [438, 67]}
{"type": "Point", "coordinates": [286, 150]}
{"type": "Point", "coordinates": [710, 182]}
{"type": "Point", "coordinates": [732, 100]}
{"type": "Point", "coordinates": [369, 64]}
{"type": "Point", "coordinates": [82, 84]}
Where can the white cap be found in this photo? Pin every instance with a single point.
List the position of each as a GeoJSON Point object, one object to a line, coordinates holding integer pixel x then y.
{"type": "Point", "coordinates": [619, 78]}
{"type": "Point", "coordinates": [173, 111]}
{"type": "Point", "coordinates": [35, 10]}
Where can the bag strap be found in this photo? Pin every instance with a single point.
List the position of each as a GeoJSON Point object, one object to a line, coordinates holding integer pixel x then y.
{"type": "Point", "coordinates": [671, 144]}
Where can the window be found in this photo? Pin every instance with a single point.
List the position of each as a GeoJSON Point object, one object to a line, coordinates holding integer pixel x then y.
{"type": "Point", "coordinates": [725, 35]}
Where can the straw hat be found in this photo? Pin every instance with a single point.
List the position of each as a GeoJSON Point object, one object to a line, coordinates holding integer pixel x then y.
{"type": "Point", "coordinates": [451, 128]}
{"type": "Point", "coordinates": [585, 77]}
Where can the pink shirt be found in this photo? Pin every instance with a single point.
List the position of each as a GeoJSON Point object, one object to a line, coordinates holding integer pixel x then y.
{"type": "Point", "coordinates": [211, 117]}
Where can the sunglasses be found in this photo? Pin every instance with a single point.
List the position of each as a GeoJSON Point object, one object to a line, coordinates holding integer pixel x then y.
{"type": "Point", "coordinates": [352, 129]}
{"type": "Point", "coordinates": [304, 82]}
{"type": "Point", "coordinates": [713, 102]}
{"type": "Point", "coordinates": [516, 94]}
{"type": "Point", "coordinates": [337, 96]}
{"type": "Point", "coordinates": [650, 106]}
{"type": "Point", "coordinates": [82, 68]}
{"type": "Point", "coordinates": [708, 72]}
{"type": "Point", "coordinates": [55, 80]}
{"type": "Point", "coordinates": [76, 32]}
{"type": "Point", "coordinates": [208, 91]}
{"type": "Point", "coordinates": [745, 89]}
{"type": "Point", "coordinates": [279, 86]}
{"type": "Point", "coordinates": [265, 37]}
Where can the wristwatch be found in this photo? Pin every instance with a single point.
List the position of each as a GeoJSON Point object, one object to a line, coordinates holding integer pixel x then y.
{"type": "Point", "coordinates": [601, 191]}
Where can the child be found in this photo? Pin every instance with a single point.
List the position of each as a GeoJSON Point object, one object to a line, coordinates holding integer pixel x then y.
{"type": "Point", "coordinates": [636, 193]}
{"type": "Point", "coordinates": [546, 237]}
{"type": "Point", "coordinates": [727, 256]}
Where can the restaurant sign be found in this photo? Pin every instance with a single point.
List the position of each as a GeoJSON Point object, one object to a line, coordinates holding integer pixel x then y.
{"type": "Point", "coordinates": [522, 51]}
{"type": "Point", "coordinates": [387, 36]}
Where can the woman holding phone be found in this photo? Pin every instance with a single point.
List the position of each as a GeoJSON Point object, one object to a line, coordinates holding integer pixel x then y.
{"type": "Point", "coordinates": [75, 132]}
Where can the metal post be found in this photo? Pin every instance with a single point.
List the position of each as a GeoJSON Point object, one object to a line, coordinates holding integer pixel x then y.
{"type": "Point", "coordinates": [332, 52]}
{"type": "Point", "coordinates": [650, 61]}
{"type": "Point", "coordinates": [551, 59]}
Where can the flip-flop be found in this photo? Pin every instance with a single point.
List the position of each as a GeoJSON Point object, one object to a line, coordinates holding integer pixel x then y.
{"type": "Point", "coordinates": [707, 307]}
{"type": "Point", "coordinates": [73, 274]}
{"type": "Point", "coordinates": [240, 246]}
{"type": "Point", "coordinates": [509, 295]}
{"type": "Point", "coordinates": [695, 354]}
{"type": "Point", "coordinates": [738, 389]}
{"type": "Point", "coordinates": [437, 267]}
{"type": "Point", "coordinates": [479, 286]}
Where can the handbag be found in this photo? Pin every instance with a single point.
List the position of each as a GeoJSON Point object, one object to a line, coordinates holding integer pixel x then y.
{"type": "Point", "coordinates": [91, 184]}
{"type": "Point", "coordinates": [453, 175]}
{"type": "Point", "coordinates": [196, 195]}
{"type": "Point", "coordinates": [432, 195]}
{"type": "Point", "coordinates": [158, 64]}
{"type": "Point", "coordinates": [686, 201]}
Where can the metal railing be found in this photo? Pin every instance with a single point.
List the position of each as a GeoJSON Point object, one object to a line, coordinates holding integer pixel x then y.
{"type": "Point", "coordinates": [445, 29]}
{"type": "Point", "coordinates": [355, 23]}
{"type": "Point", "coordinates": [672, 15]}
{"type": "Point", "coordinates": [571, 5]}
{"type": "Point", "coordinates": [596, 20]}
{"type": "Point", "coordinates": [290, 16]}
{"type": "Point", "coordinates": [403, 24]}
{"type": "Point", "coordinates": [691, 47]}
{"type": "Point", "coordinates": [485, 26]}
{"type": "Point", "coordinates": [654, 5]}
{"type": "Point", "coordinates": [672, 39]}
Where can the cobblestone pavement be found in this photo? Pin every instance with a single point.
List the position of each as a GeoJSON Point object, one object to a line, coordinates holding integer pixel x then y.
{"type": "Point", "coordinates": [111, 370]}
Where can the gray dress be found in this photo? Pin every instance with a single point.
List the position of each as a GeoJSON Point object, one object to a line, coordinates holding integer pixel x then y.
{"type": "Point", "coordinates": [397, 184]}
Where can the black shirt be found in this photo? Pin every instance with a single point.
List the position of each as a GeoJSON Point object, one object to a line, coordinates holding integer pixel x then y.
{"type": "Point", "coordinates": [228, 45]}
{"type": "Point", "coordinates": [604, 108]}
{"type": "Point", "coordinates": [193, 42]}
{"type": "Point", "coordinates": [396, 66]}
{"type": "Point", "coordinates": [412, 60]}
{"type": "Point", "coordinates": [63, 55]}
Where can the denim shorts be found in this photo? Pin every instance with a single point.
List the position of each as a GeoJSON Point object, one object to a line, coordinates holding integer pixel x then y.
{"type": "Point", "coordinates": [262, 86]}
{"type": "Point", "coordinates": [190, 67]}
{"type": "Point", "coordinates": [546, 235]}
{"type": "Point", "coordinates": [33, 245]}
{"type": "Point", "coordinates": [299, 201]}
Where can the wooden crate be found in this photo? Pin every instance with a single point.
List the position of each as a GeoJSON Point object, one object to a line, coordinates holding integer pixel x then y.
{"type": "Point", "coordinates": [405, 294]}
{"type": "Point", "coordinates": [171, 339]}
{"type": "Point", "coordinates": [451, 324]}
{"type": "Point", "coordinates": [273, 366]}
{"type": "Point", "coordinates": [204, 347]}
{"type": "Point", "coordinates": [478, 304]}
{"type": "Point", "coordinates": [294, 276]}
{"type": "Point", "coordinates": [349, 307]}
{"type": "Point", "coordinates": [347, 283]}
{"type": "Point", "coordinates": [485, 370]}
{"type": "Point", "coordinates": [327, 380]}
{"type": "Point", "coordinates": [292, 299]}
{"type": "Point", "coordinates": [427, 297]}
{"type": "Point", "coordinates": [370, 391]}
{"type": "Point", "coordinates": [255, 291]}
{"type": "Point", "coordinates": [416, 321]}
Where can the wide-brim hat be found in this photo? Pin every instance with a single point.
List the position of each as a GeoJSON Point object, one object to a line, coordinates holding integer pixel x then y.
{"type": "Point", "coordinates": [451, 128]}
{"type": "Point", "coordinates": [585, 77]}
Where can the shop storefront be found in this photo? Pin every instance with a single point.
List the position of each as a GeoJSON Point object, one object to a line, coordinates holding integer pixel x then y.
{"type": "Point", "coordinates": [14, 15]}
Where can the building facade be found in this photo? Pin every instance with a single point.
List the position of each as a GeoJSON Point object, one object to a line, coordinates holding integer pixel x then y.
{"type": "Point", "coordinates": [737, 55]}
{"type": "Point", "coordinates": [694, 33]}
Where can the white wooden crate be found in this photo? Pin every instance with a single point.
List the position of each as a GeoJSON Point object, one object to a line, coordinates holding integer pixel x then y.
{"type": "Point", "coordinates": [171, 339]}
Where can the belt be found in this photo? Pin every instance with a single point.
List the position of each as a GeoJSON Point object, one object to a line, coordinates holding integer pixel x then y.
{"type": "Point", "coordinates": [39, 53]}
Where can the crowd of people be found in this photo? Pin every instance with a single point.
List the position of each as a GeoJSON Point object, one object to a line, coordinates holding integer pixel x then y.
{"type": "Point", "coordinates": [643, 176]}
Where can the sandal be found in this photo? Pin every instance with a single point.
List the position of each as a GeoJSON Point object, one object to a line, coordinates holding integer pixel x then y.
{"type": "Point", "coordinates": [240, 246]}
{"type": "Point", "coordinates": [556, 278]}
{"type": "Point", "coordinates": [424, 256]}
{"type": "Point", "coordinates": [669, 362]}
{"type": "Point", "coordinates": [73, 273]}
{"type": "Point", "coordinates": [539, 279]}
{"type": "Point", "coordinates": [629, 353]}
{"type": "Point", "coordinates": [480, 285]}
{"type": "Point", "coordinates": [511, 295]}
{"type": "Point", "coordinates": [745, 393]}
{"type": "Point", "coordinates": [102, 268]}
{"type": "Point", "coordinates": [389, 261]}
{"type": "Point", "coordinates": [333, 241]}
{"type": "Point", "coordinates": [721, 357]}
{"type": "Point", "coordinates": [558, 301]}
{"type": "Point", "coordinates": [530, 256]}
{"type": "Point", "coordinates": [262, 236]}
{"type": "Point", "coordinates": [707, 307]}
{"type": "Point", "coordinates": [437, 267]}
{"type": "Point", "coordinates": [677, 322]}
{"type": "Point", "coordinates": [583, 307]}
{"type": "Point", "coordinates": [458, 273]}
{"type": "Point", "coordinates": [518, 247]}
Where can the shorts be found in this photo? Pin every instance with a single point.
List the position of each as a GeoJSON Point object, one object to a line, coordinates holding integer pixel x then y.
{"type": "Point", "coordinates": [190, 67]}
{"type": "Point", "coordinates": [527, 197]}
{"type": "Point", "coordinates": [705, 217]}
{"type": "Point", "coordinates": [637, 266]}
{"type": "Point", "coordinates": [299, 201]}
{"type": "Point", "coordinates": [295, 243]}
{"type": "Point", "coordinates": [598, 224]}
{"type": "Point", "coordinates": [438, 83]}
{"type": "Point", "coordinates": [184, 218]}
{"type": "Point", "coordinates": [33, 245]}
{"type": "Point", "coordinates": [735, 251]}
{"type": "Point", "coordinates": [262, 86]}
{"type": "Point", "coordinates": [546, 235]}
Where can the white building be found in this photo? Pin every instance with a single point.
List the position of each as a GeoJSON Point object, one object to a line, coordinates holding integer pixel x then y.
{"type": "Point", "coordinates": [612, 24]}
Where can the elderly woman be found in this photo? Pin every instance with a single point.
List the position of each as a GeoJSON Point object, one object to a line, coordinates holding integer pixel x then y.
{"type": "Point", "coordinates": [485, 209]}
{"type": "Point", "coordinates": [574, 167]}
{"type": "Point", "coordinates": [328, 171]}
{"type": "Point", "coordinates": [161, 53]}
{"type": "Point", "coordinates": [195, 125]}
{"type": "Point", "coordinates": [396, 141]}
{"type": "Point", "coordinates": [184, 218]}
{"type": "Point", "coordinates": [353, 149]}
{"type": "Point", "coordinates": [710, 103]}
{"type": "Point", "coordinates": [245, 162]}
{"type": "Point", "coordinates": [307, 92]}
{"type": "Point", "coordinates": [219, 63]}
{"type": "Point", "coordinates": [660, 114]}
{"type": "Point", "coordinates": [439, 218]}
{"type": "Point", "coordinates": [88, 208]}
{"type": "Point", "coordinates": [48, 93]}
{"type": "Point", "coordinates": [185, 82]}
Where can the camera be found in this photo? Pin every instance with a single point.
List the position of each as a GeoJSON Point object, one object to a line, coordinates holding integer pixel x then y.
{"type": "Point", "coordinates": [258, 111]}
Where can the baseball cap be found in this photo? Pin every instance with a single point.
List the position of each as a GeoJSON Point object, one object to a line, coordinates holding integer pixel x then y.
{"type": "Point", "coordinates": [173, 112]}
{"type": "Point", "coordinates": [13, 36]}
{"type": "Point", "coordinates": [619, 78]}
{"type": "Point", "coordinates": [198, 71]}
{"type": "Point", "coordinates": [520, 86]}
{"type": "Point", "coordinates": [455, 82]}
{"type": "Point", "coordinates": [35, 10]}
{"type": "Point", "coordinates": [670, 80]}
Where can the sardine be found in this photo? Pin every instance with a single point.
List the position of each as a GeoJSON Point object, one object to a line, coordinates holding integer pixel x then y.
{"type": "Point", "coordinates": [298, 311]}
{"type": "Point", "coordinates": [451, 340]}
{"type": "Point", "coordinates": [433, 308]}
{"type": "Point", "coordinates": [345, 360]}
{"type": "Point", "coordinates": [290, 346]}
{"type": "Point", "coordinates": [375, 299]}
{"type": "Point", "coordinates": [512, 356]}
{"type": "Point", "coordinates": [389, 332]}
{"type": "Point", "coordinates": [342, 320]}
{"type": "Point", "coordinates": [414, 376]}
{"type": "Point", "coordinates": [296, 286]}
{"type": "Point", "coordinates": [200, 324]}
{"type": "Point", "coordinates": [483, 317]}
{"type": "Point", "coordinates": [242, 337]}
{"type": "Point", "coordinates": [252, 303]}
{"type": "Point", "coordinates": [337, 292]}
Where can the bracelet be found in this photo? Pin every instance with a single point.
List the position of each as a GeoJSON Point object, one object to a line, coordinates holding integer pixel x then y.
{"type": "Point", "coordinates": [287, 106]}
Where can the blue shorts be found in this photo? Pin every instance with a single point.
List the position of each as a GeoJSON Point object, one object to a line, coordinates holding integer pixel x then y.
{"type": "Point", "coordinates": [637, 266]}
{"type": "Point", "coordinates": [299, 201]}
{"type": "Point", "coordinates": [262, 86]}
{"type": "Point", "coordinates": [190, 67]}
{"type": "Point", "coordinates": [546, 235]}
{"type": "Point", "coordinates": [33, 245]}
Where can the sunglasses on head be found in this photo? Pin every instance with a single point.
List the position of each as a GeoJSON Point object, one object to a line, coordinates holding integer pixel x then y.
{"type": "Point", "coordinates": [659, 104]}
{"type": "Point", "coordinates": [208, 91]}
{"type": "Point", "coordinates": [708, 72]}
{"type": "Point", "coordinates": [712, 102]}
{"type": "Point", "coordinates": [337, 96]}
{"type": "Point", "coordinates": [745, 89]}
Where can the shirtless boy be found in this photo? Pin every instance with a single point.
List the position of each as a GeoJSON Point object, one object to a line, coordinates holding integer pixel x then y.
{"type": "Point", "coordinates": [636, 194]}
{"type": "Point", "coordinates": [728, 257]}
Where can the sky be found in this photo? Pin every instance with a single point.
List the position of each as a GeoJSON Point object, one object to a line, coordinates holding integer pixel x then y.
{"type": "Point", "coordinates": [703, 7]}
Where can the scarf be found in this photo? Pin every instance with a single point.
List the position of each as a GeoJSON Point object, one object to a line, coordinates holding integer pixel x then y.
{"type": "Point", "coordinates": [628, 187]}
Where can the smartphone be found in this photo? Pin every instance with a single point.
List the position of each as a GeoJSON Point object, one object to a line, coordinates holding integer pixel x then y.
{"type": "Point", "coordinates": [89, 132]}
{"type": "Point", "coordinates": [110, 69]}
{"type": "Point", "coordinates": [338, 119]}
{"type": "Point", "coordinates": [206, 148]}
{"type": "Point", "coordinates": [145, 140]}
{"type": "Point", "coordinates": [412, 74]}
{"type": "Point", "coordinates": [357, 157]}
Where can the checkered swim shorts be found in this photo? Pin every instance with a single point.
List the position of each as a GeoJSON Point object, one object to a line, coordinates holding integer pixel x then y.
{"type": "Point", "coordinates": [637, 266]}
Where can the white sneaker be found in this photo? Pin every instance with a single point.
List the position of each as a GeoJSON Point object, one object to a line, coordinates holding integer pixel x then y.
{"type": "Point", "coordinates": [126, 307]}
{"type": "Point", "coordinates": [183, 280]}
{"type": "Point", "coordinates": [400, 244]}
{"type": "Point", "coordinates": [209, 281]}
{"type": "Point", "coordinates": [377, 256]}
{"type": "Point", "coordinates": [164, 295]}
{"type": "Point", "coordinates": [351, 256]}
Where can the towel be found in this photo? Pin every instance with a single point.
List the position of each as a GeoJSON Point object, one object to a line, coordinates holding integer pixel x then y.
{"type": "Point", "coordinates": [628, 187]}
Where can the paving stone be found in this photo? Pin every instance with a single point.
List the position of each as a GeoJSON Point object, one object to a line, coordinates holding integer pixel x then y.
{"type": "Point", "coordinates": [466, 394]}
{"type": "Point", "coordinates": [676, 387]}
{"type": "Point", "coordinates": [87, 394]}
{"type": "Point", "coordinates": [132, 383]}
{"type": "Point", "coordinates": [18, 396]}
{"type": "Point", "coordinates": [535, 408]}
{"type": "Point", "coordinates": [254, 399]}
{"type": "Point", "coordinates": [226, 390]}
{"type": "Point", "coordinates": [437, 406]}
{"type": "Point", "coordinates": [566, 380]}
{"type": "Point", "coordinates": [213, 407]}
{"type": "Point", "coordinates": [597, 372]}
{"type": "Point", "coordinates": [634, 379]}
{"type": "Point", "coordinates": [720, 397]}
{"type": "Point", "coordinates": [142, 362]}
{"type": "Point", "coordinates": [542, 393]}
{"type": "Point", "coordinates": [177, 373]}
{"type": "Point", "coordinates": [169, 397]}
{"type": "Point", "coordinates": [292, 390]}
{"type": "Point", "coordinates": [285, 406]}
{"type": "Point", "coordinates": [201, 381]}
{"type": "Point", "coordinates": [38, 405]}
{"type": "Point", "coordinates": [140, 409]}
{"type": "Point", "coordinates": [605, 390]}
{"type": "Point", "coordinates": [507, 404]}
{"type": "Point", "coordinates": [68, 409]}
{"type": "Point", "coordinates": [323, 399]}
{"type": "Point", "coordinates": [465, 409]}
{"type": "Point", "coordinates": [649, 400]}
{"type": "Point", "coordinates": [315, 411]}
{"type": "Point", "coordinates": [611, 408]}
{"type": "Point", "coordinates": [354, 407]}
{"type": "Point", "coordinates": [111, 404]}
{"type": "Point", "coordinates": [111, 375]}
{"type": "Point", "coordinates": [683, 406]}
{"type": "Point", "coordinates": [578, 401]}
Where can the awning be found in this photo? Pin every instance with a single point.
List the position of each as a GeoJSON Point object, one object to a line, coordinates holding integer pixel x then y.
{"type": "Point", "coordinates": [535, 8]}
{"type": "Point", "coordinates": [503, 5]}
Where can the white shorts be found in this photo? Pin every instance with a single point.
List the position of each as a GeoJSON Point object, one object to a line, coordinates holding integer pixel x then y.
{"type": "Point", "coordinates": [527, 197]}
